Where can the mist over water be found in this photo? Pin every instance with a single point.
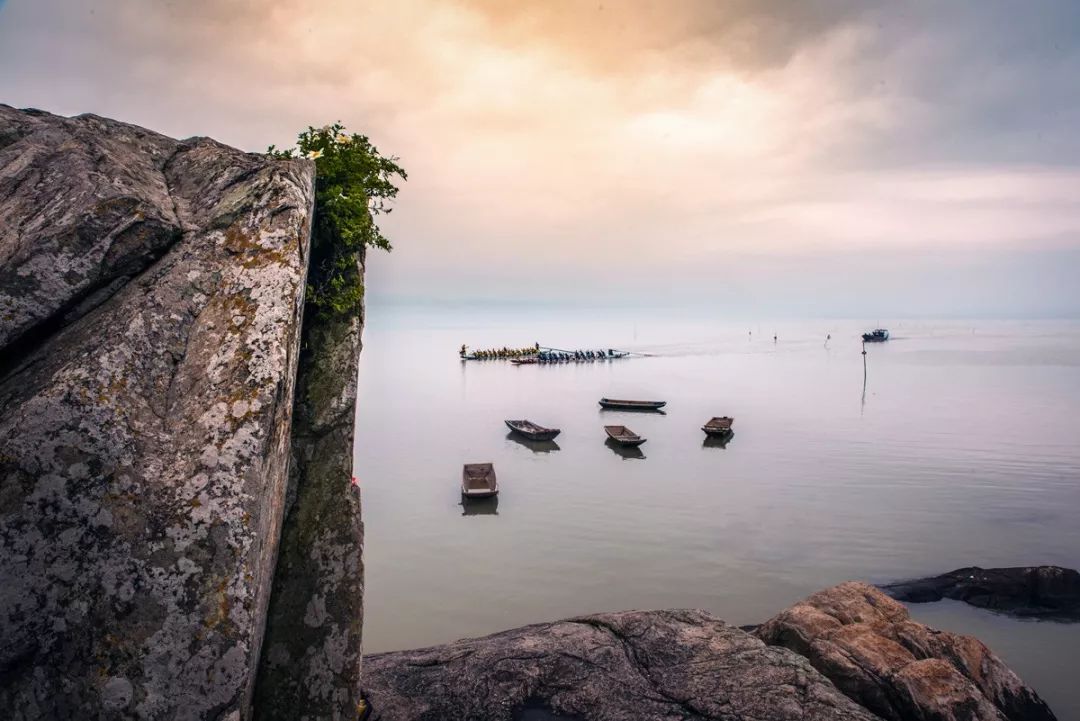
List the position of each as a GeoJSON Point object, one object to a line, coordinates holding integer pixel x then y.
{"type": "Point", "coordinates": [960, 449]}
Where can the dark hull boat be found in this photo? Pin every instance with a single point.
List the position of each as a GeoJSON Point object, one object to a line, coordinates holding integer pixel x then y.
{"type": "Point", "coordinates": [719, 426]}
{"type": "Point", "coordinates": [532, 431]}
{"type": "Point", "coordinates": [624, 405]}
{"type": "Point", "coordinates": [478, 480]}
{"type": "Point", "coordinates": [623, 436]}
{"type": "Point", "coordinates": [876, 336]}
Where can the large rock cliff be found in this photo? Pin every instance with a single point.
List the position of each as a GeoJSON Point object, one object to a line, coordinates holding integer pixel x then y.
{"type": "Point", "coordinates": [151, 293]}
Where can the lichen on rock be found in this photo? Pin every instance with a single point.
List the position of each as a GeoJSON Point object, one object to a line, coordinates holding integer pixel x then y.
{"type": "Point", "coordinates": [144, 441]}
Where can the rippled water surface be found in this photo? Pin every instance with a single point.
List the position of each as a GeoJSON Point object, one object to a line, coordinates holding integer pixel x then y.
{"type": "Point", "coordinates": [961, 448]}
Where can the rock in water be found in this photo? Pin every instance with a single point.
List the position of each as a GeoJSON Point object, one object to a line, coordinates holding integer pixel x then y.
{"type": "Point", "coordinates": [867, 645]}
{"type": "Point", "coordinates": [637, 665]}
{"type": "Point", "coordinates": [1031, 591]}
{"type": "Point", "coordinates": [150, 304]}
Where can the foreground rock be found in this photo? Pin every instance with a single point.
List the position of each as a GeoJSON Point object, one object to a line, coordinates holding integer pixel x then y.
{"type": "Point", "coordinates": [632, 666]}
{"type": "Point", "coordinates": [151, 298]}
{"type": "Point", "coordinates": [866, 644]}
{"type": "Point", "coordinates": [1032, 591]}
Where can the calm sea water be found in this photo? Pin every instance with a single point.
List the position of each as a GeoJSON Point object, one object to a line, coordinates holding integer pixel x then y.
{"type": "Point", "coordinates": [957, 446]}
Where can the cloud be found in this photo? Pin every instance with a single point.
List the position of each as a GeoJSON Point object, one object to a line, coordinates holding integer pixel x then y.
{"type": "Point", "coordinates": [591, 146]}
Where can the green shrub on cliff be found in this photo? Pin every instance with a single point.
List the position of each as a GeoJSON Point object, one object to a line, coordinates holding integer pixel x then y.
{"type": "Point", "coordinates": [353, 184]}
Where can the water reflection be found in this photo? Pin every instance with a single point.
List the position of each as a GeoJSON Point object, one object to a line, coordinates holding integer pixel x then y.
{"type": "Point", "coordinates": [627, 452]}
{"type": "Point", "coordinates": [480, 506]}
{"type": "Point", "coordinates": [534, 446]}
{"type": "Point", "coordinates": [717, 441]}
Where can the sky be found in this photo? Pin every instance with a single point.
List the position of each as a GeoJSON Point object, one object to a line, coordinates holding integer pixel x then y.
{"type": "Point", "coordinates": [759, 157]}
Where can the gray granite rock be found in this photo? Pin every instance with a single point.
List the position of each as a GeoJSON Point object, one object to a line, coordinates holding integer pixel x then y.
{"type": "Point", "coordinates": [631, 666]}
{"type": "Point", "coordinates": [84, 206]}
{"type": "Point", "coordinates": [144, 435]}
{"type": "Point", "coordinates": [867, 645]}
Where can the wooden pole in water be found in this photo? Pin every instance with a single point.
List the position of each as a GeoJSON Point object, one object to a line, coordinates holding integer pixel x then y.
{"type": "Point", "coordinates": [863, 407]}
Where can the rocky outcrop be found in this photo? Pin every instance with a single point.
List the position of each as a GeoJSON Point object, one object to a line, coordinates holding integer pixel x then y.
{"type": "Point", "coordinates": [85, 205]}
{"type": "Point", "coordinates": [639, 665]}
{"type": "Point", "coordinates": [1031, 591]}
{"type": "Point", "coordinates": [310, 666]}
{"type": "Point", "coordinates": [150, 305]}
{"type": "Point", "coordinates": [866, 644]}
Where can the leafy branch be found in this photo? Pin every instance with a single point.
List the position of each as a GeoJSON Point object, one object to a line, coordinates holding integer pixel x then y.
{"type": "Point", "coordinates": [353, 185]}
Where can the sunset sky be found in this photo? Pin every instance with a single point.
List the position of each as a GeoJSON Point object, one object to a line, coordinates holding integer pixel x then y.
{"type": "Point", "coordinates": [771, 158]}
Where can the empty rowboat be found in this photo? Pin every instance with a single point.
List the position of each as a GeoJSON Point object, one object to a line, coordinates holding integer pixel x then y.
{"type": "Point", "coordinates": [719, 426]}
{"type": "Point", "coordinates": [532, 431]}
{"type": "Point", "coordinates": [478, 480]}
{"type": "Point", "coordinates": [624, 405]}
{"type": "Point", "coordinates": [623, 436]}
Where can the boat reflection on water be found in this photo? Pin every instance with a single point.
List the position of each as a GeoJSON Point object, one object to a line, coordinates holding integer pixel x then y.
{"type": "Point", "coordinates": [717, 441]}
{"type": "Point", "coordinates": [628, 453]}
{"type": "Point", "coordinates": [534, 446]}
{"type": "Point", "coordinates": [480, 506]}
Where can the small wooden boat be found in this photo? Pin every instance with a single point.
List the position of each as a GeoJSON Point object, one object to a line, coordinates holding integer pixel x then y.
{"type": "Point", "coordinates": [719, 426]}
{"type": "Point", "coordinates": [532, 431]}
{"type": "Point", "coordinates": [876, 336]}
{"type": "Point", "coordinates": [624, 405]}
{"type": "Point", "coordinates": [478, 480]}
{"type": "Point", "coordinates": [623, 436]}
